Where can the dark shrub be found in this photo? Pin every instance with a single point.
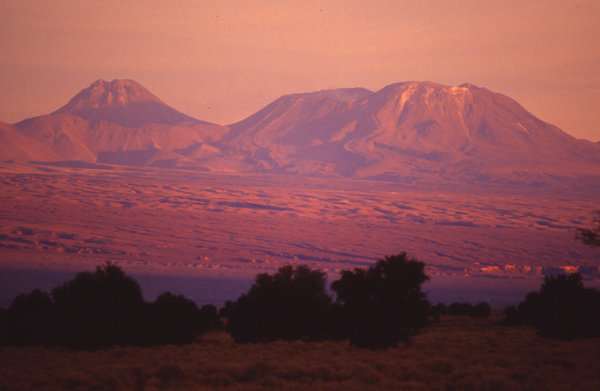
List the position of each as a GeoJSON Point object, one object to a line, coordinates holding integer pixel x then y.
{"type": "Point", "coordinates": [173, 320]}
{"type": "Point", "coordinates": [460, 309]}
{"type": "Point", "coordinates": [28, 321]}
{"type": "Point", "coordinates": [209, 317]}
{"type": "Point", "coordinates": [481, 310]}
{"type": "Point", "coordinates": [563, 309]}
{"type": "Point", "coordinates": [437, 311]}
{"type": "Point", "coordinates": [100, 309]}
{"type": "Point", "coordinates": [590, 236]}
{"type": "Point", "coordinates": [381, 305]}
{"type": "Point", "coordinates": [289, 305]}
{"type": "Point", "coordinates": [511, 316]}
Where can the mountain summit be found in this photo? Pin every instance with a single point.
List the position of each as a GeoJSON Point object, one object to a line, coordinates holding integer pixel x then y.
{"type": "Point", "coordinates": [408, 132]}
{"type": "Point", "coordinates": [124, 102]}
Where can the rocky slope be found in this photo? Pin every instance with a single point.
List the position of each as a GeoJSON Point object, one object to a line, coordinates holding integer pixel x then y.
{"type": "Point", "coordinates": [410, 131]}
{"type": "Point", "coordinates": [405, 132]}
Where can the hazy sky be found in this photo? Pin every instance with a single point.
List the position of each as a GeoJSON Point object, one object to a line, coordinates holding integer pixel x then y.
{"type": "Point", "coordinates": [221, 61]}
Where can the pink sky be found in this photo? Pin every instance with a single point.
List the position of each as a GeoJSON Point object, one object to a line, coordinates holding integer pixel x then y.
{"type": "Point", "coordinates": [221, 61]}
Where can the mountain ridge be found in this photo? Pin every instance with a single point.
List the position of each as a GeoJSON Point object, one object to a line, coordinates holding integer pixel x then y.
{"type": "Point", "coordinates": [405, 132]}
{"type": "Point", "coordinates": [402, 129]}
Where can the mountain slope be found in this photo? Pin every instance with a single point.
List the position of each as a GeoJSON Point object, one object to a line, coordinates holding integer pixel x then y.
{"type": "Point", "coordinates": [123, 102]}
{"type": "Point", "coordinates": [121, 122]}
{"type": "Point", "coordinates": [410, 131]}
{"type": "Point", "coordinates": [405, 132]}
{"type": "Point", "coordinates": [15, 146]}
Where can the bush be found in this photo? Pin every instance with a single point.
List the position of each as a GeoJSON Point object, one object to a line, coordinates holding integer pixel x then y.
{"type": "Point", "coordinates": [380, 306]}
{"type": "Point", "coordinates": [563, 309]}
{"type": "Point", "coordinates": [29, 321]}
{"type": "Point", "coordinates": [590, 236]}
{"type": "Point", "coordinates": [209, 318]}
{"type": "Point", "coordinates": [459, 309]}
{"type": "Point", "coordinates": [291, 304]}
{"type": "Point", "coordinates": [172, 320]}
{"type": "Point", "coordinates": [437, 311]}
{"type": "Point", "coordinates": [100, 309]}
{"type": "Point", "coordinates": [481, 310]}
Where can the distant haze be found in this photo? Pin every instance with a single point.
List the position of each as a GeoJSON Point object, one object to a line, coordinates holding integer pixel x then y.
{"type": "Point", "coordinates": [223, 61]}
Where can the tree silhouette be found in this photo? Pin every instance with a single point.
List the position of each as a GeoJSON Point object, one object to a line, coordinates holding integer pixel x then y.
{"type": "Point", "coordinates": [100, 309]}
{"type": "Point", "coordinates": [563, 309]}
{"type": "Point", "coordinates": [29, 321]}
{"type": "Point", "coordinates": [383, 304]}
{"type": "Point", "coordinates": [590, 236]}
{"type": "Point", "coordinates": [291, 304]}
{"type": "Point", "coordinates": [173, 320]}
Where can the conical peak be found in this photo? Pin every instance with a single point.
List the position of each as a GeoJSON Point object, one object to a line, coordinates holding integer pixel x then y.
{"type": "Point", "coordinates": [102, 93]}
{"type": "Point", "coordinates": [124, 102]}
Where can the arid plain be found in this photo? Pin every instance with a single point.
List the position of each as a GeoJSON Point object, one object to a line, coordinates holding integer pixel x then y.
{"type": "Point", "coordinates": [207, 235]}
{"type": "Point", "coordinates": [460, 177]}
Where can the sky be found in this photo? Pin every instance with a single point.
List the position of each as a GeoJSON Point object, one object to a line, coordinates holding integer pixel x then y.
{"type": "Point", "coordinates": [223, 60]}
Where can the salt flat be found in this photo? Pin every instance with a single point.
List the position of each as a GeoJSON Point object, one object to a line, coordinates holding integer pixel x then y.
{"type": "Point", "coordinates": [207, 235]}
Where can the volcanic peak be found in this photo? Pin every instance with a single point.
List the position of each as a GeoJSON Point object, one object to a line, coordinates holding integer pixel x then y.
{"type": "Point", "coordinates": [124, 102]}
{"type": "Point", "coordinates": [108, 94]}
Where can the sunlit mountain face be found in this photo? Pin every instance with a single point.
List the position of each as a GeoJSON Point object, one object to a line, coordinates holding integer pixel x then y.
{"type": "Point", "coordinates": [462, 178]}
{"type": "Point", "coordinates": [406, 132]}
{"type": "Point", "coordinates": [410, 131]}
{"type": "Point", "coordinates": [123, 102]}
{"type": "Point", "coordinates": [122, 123]}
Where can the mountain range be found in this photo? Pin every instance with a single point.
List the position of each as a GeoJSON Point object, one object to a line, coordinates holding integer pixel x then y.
{"type": "Point", "coordinates": [405, 132]}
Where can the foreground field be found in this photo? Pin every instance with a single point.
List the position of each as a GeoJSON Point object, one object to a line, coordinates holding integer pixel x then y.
{"type": "Point", "coordinates": [458, 354]}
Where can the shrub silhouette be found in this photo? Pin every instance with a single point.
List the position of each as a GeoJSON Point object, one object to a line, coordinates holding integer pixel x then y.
{"type": "Point", "coordinates": [173, 320]}
{"type": "Point", "coordinates": [380, 306]}
{"type": "Point", "coordinates": [100, 309]}
{"type": "Point", "coordinates": [291, 304]}
{"type": "Point", "coordinates": [590, 236]}
{"type": "Point", "coordinates": [437, 311]}
{"type": "Point", "coordinates": [209, 317]}
{"type": "Point", "coordinates": [28, 321]}
{"type": "Point", "coordinates": [481, 310]}
{"type": "Point", "coordinates": [459, 309]}
{"type": "Point", "coordinates": [563, 309]}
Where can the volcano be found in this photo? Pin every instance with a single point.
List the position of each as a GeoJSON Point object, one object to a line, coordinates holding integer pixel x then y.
{"type": "Point", "coordinates": [410, 131]}
{"type": "Point", "coordinates": [123, 102]}
{"type": "Point", "coordinates": [405, 132]}
{"type": "Point", "coordinates": [121, 123]}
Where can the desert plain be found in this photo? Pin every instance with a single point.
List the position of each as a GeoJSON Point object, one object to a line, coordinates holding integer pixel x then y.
{"type": "Point", "coordinates": [206, 235]}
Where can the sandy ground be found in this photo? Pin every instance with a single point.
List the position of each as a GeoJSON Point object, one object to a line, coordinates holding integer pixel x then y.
{"type": "Point", "coordinates": [207, 235]}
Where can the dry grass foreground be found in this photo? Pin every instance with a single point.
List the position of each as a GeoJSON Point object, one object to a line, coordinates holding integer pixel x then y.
{"type": "Point", "coordinates": [458, 354]}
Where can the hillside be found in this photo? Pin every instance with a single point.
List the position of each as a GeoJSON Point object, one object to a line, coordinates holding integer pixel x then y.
{"type": "Point", "coordinates": [411, 132]}
{"type": "Point", "coordinates": [16, 146]}
{"type": "Point", "coordinates": [406, 132]}
{"type": "Point", "coordinates": [122, 123]}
